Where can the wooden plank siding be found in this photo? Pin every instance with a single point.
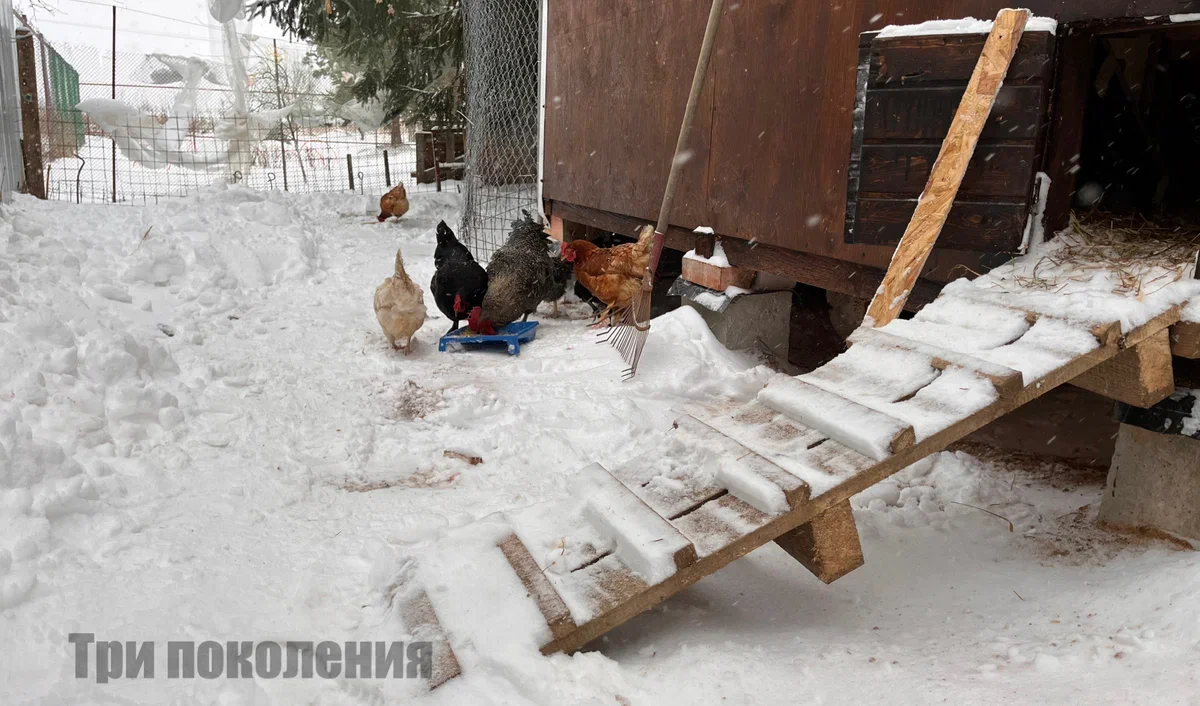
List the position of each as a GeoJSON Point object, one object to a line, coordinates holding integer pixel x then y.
{"type": "Point", "coordinates": [774, 133]}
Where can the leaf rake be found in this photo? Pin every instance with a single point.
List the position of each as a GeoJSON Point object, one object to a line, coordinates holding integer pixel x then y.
{"type": "Point", "coordinates": [631, 324]}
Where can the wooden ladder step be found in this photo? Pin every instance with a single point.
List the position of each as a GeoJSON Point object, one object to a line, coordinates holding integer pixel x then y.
{"type": "Point", "coordinates": [871, 433]}
{"type": "Point", "coordinates": [874, 376]}
{"type": "Point", "coordinates": [597, 589]}
{"type": "Point", "coordinates": [645, 541]}
{"type": "Point", "coordinates": [553, 609]}
{"type": "Point", "coordinates": [1007, 381]}
{"type": "Point", "coordinates": [1050, 344]}
{"type": "Point", "coordinates": [959, 311]}
{"type": "Point", "coordinates": [671, 486]}
{"type": "Point", "coordinates": [422, 623]}
{"type": "Point", "coordinates": [966, 340]}
{"type": "Point", "coordinates": [718, 523]}
{"type": "Point", "coordinates": [805, 453]}
{"type": "Point", "coordinates": [748, 476]}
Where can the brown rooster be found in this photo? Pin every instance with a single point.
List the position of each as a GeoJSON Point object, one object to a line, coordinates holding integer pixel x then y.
{"type": "Point", "coordinates": [393, 203]}
{"type": "Point", "coordinates": [613, 275]}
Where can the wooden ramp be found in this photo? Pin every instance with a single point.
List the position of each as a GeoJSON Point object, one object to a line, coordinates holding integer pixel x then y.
{"type": "Point", "coordinates": [783, 467]}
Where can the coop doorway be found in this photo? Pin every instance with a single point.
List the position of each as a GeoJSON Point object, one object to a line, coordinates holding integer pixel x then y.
{"type": "Point", "coordinates": [1139, 156]}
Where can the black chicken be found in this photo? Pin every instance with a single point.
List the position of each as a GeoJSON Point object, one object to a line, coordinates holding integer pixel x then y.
{"type": "Point", "coordinates": [521, 275]}
{"type": "Point", "coordinates": [459, 283]}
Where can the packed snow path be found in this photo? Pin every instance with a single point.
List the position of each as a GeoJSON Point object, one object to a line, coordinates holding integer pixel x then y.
{"type": "Point", "coordinates": [206, 437]}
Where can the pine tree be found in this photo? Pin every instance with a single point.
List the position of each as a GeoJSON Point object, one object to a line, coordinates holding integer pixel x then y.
{"type": "Point", "coordinates": [406, 53]}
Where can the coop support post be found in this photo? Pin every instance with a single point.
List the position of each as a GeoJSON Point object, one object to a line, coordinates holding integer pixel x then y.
{"type": "Point", "coordinates": [933, 207]}
{"type": "Point", "coordinates": [31, 133]}
{"type": "Point", "coordinates": [828, 546]}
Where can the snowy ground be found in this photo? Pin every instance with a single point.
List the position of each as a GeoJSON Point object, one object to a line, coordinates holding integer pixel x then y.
{"type": "Point", "coordinates": [203, 435]}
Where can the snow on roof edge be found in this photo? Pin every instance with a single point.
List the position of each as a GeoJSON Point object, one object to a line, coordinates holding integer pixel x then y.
{"type": "Point", "coordinates": [966, 25]}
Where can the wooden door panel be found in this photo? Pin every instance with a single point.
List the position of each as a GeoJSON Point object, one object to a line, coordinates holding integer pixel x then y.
{"type": "Point", "coordinates": [909, 91]}
{"type": "Point", "coordinates": [997, 171]}
{"type": "Point", "coordinates": [925, 113]}
{"type": "Point", "coordinates": [953, 57]}
{"type": "Point", "coordinates": [979, 226]}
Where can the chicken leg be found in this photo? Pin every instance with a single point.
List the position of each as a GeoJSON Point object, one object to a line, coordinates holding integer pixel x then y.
{"type": "Point", "coordinates": [452, 328]}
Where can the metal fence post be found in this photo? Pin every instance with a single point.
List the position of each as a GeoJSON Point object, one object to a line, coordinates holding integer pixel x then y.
{"type": "Point", "coordinates": [350, 171]}
{"type": "Point", "coordinates": [387, 170]}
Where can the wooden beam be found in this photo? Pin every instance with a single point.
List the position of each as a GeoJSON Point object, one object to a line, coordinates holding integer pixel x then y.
{"type": "Point", "coordinates": [1185, 339]}
{"type": "Point", "coordinates": [31, 134]}
{"type": "Point", "coordinates": [828, 545]}
{"type": "Point", "coordinates": [422, 623]}
{"type": "Point", "coordinates": [933, 208]}
{"type": "Point", "coordinates": [1141, 376]}
{"type": "Point", "coordinates": [557, 616]}
{"type": "Point", "coordinates": [828, 273]}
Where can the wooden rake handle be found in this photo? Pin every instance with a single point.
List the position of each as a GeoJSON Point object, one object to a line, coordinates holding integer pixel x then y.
{"type": "Point", "coordinates": [685, 133]}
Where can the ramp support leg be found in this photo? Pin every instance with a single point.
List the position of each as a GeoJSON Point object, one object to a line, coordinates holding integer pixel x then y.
{"type": "Point", "coordinates": [828, 546]}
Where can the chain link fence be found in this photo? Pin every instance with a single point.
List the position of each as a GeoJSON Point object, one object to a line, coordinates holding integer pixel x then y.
{"type": "Point", "coordinates": [165, 147]}
{"type": "Point", "coordinates": [502, 39]}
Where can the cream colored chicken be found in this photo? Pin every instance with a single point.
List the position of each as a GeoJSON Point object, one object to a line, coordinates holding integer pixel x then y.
{"type": "Point", "coordinates": [400, 307]}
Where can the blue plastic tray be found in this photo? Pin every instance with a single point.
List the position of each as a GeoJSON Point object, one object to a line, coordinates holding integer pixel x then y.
{"type": "Point", "coordinates": [512, 335]}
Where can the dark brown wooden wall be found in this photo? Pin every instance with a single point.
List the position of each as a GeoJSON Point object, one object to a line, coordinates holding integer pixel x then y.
{"type": "Point", "coordinates": [913, 86]}
{"type": "Point", "coordinates": [773, 133]}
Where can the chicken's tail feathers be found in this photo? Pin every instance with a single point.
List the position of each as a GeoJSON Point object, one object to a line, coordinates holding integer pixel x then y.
{"type": "Point", "coordinates": [400, 263]}
{"type": "Point", "coordinates": [646, 237]}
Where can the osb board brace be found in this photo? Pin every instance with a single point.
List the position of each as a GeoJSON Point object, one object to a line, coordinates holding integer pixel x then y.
{"type": "Point", "coordinates": [933, 208]}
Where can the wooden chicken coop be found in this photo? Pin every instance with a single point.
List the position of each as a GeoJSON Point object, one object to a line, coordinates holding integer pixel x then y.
{"type": "Point", "coordinates": [816, 132]}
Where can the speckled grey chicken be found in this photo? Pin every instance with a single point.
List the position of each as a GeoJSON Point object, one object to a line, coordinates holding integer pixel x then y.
{"type": "Point", "coordinates": [521, 275]}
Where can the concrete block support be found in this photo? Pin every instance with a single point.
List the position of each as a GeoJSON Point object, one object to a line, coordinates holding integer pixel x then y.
{"type": "Point", "coordinates": [1154, 482]}
{"type": "Point", "coordinates": [752, 320]}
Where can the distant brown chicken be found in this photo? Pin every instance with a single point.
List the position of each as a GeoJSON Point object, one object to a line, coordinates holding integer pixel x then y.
{"type": "Point", "coordinates": [393, 203]}
{"type": "Point", "coordinates": [612, 275]}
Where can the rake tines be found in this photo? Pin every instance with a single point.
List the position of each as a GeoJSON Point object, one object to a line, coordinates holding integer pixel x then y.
{"type": "Point", "coordinates": [628, 332]}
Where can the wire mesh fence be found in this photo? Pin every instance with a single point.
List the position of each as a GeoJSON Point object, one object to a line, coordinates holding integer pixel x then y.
{"type": "Point", "coordinates": [502, 40]}
{"type": "Point", "coordinates": [170, 127]}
